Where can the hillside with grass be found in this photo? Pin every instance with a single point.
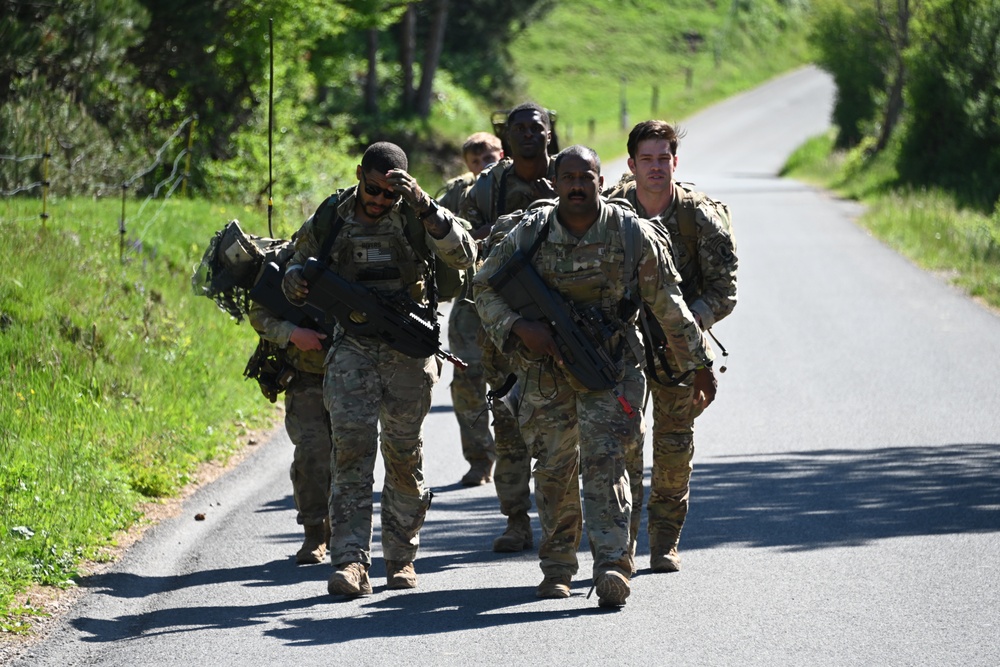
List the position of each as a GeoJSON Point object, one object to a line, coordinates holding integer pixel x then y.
{"type": "Point", "coordinates": [118, 381]}
{"type": "Point", "coordinates": [604, 66]}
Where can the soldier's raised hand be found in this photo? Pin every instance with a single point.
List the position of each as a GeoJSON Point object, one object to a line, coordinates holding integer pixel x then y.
{"type": "Point", "coordinates": [406, 185]}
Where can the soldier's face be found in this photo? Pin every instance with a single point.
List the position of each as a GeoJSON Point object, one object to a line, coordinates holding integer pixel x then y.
{"type": "Point", "coordinates": [374, 196]}
{"type": "Point", "coordinates": [527, 134]}
{"type": "Point", "coordinates": [476, 162]}
{"type": "Point", "coordinates": [578, 185]}
{"type": "Point", "coordinates": [653, 165]}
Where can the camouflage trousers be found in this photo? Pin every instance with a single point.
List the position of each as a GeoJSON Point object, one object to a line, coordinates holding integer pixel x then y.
{"type": "Point", "coordinates": [512, 475]}
{"type": "Point", "coordinates": [308, 427]}
{"type": "Point", "coordinates": [670, 482]}
{"type": "Point", "coordinates": [570, 433]}
{"type": "Point", "coordinates": [369, 384]}
{"type": "Point", "coordinates": [468, 386]}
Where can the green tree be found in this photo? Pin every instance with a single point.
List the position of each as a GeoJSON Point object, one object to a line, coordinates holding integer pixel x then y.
{"type": "Point", "coordinates": [850, 44]}
{"type": "Point", "coordinates": [952, 137]}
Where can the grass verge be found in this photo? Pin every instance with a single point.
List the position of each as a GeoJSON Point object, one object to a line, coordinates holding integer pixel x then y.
{"type": "Point", "coordinates": [117, 380]}
{"type": "Point", "coordinates": [928, 226]}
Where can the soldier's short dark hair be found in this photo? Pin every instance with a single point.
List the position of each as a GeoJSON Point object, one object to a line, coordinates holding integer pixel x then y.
{"type": "Point", "coordinates": [383, 156]}
{"type": "Point", "coordinates": [530, 106]}
{"type": "Point", "coordinates": [583, 152]}
{"type": "Point", "coordinates": [654, 129]}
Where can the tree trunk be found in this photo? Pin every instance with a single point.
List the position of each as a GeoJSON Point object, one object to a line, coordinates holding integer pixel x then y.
{"type": "Point", "coordinates": [371, 83]}
{"type": "Point", "coordinates": [899, 38]}
{"type": "Point", "coordinates": [407, 48]}
{"type": "Point", "coordinates": [432, 54]}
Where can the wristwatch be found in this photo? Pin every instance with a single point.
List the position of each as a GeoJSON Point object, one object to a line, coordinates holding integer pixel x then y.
{"type": "Point", "coordinates": [431, 210]}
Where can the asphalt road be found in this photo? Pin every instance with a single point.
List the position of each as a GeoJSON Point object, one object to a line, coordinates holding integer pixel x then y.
{"type": "Point", "coordinates": [845, 507]}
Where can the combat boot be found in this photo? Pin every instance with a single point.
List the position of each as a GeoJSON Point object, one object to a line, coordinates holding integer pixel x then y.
{"type": "Point", "coordinates": [480, 472]}
{"type": "Point", "coordinates": [314, 546]}
{"type": "Point", "coordinates": [350, 579]}
{"type": "Point", "coordinates": [518, 535]}
{"type": "Point", "coordinates": [400, 574]}
{"type": "Point", "coordinates": [553, 587]}
{"type": "Point", "coordinates": [665, 562]}
{"type": "Point", "coordinates": [612, 589]}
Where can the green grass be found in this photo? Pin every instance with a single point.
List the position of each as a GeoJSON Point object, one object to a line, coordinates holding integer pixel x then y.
{"type": "Point", "coordinates": [117, 380]}
{"type": "Point", "coordinates": [928, 226]}
{"type": "Point", "coordinates": [583, 57]}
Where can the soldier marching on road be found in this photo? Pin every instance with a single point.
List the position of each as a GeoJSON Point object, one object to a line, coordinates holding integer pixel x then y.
{"type": "Point", "coordinates": [579, 249]}
{"type": "Point", "coordinates": [369, 383]}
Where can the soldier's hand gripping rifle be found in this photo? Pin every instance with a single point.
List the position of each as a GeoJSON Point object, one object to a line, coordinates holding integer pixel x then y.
{"type": "Point", "coordinates": [575, 335]}
{"type": "Point", "coordinates": [365, 312]}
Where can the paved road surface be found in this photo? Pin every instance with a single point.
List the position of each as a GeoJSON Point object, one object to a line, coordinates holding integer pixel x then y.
{"type": "Point", "coordinates": [846, 505]}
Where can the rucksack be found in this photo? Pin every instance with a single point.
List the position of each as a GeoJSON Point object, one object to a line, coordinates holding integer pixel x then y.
{"type": "Point", "coordinates": [232, 264]}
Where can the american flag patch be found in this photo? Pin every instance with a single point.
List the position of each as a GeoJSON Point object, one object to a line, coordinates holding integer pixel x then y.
{"type": "Point", "coordinates": [372, 252]}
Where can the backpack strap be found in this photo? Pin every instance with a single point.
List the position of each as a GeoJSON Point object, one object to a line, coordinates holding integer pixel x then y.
{"type": "Point", "coordinates": [328, 216]}
{"type": "Point", "coordinates": [687, 204]}
{"type": "Point", "coordinates": [631, 242]}
{"type": "Point", "coordinates": [414, 232]}
{"type": "Point", "coordinates": [501, 207]}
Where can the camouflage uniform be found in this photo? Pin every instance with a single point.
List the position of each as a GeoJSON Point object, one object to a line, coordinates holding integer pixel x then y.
{"type": "Point", "coordinates": [468, 386]}
{"type": "Point", "coordinates": [368, 384]}
{"type": "Point", "coordinates": [708, 282]}
{"type": "Point", "coordinates": [306, 419]}
{"type": "Point", "coordinates": [453, 192]}
{"type": "Point", "coordinates": [570, 429]}
{"type": "Point", "coordinates": [496, 192]}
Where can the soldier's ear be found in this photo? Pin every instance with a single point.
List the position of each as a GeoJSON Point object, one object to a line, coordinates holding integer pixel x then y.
{"type": "Point", "coordinates": [357, 173]}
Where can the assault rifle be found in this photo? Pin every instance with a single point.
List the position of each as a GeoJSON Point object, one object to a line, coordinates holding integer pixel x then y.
{"type": "Point", "coordinates": [365, 312]}
{"type": "Point", "coordinates": [577, 334]}
{"type": "Point", "coordinates": [267, 292]}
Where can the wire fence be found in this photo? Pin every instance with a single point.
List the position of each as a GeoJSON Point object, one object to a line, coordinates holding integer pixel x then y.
{"type": "Point", "coordinates": [177, 177]}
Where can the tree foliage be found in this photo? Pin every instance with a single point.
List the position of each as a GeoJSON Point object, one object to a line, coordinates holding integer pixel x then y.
{"type": "Point", "coordinates": [848, 45]}
{"type": "Point", "coordinates": [113, 81]}
{"type": "Point", "coordinates": [932, 64]}
{"type": "Point", "coordinates": [953, 133]}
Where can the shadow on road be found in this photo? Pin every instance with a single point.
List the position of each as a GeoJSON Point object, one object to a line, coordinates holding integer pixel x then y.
{"type": "Point", "coordinates": [819, 499]}
{"type": "Point", "coordinates": [797, 501]}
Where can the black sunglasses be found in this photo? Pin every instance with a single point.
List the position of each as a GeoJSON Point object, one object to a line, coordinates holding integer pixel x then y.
{"type": "Point", "coordinates": [375, 190]}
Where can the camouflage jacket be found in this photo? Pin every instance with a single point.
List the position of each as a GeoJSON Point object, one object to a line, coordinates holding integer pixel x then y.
{"type": "Point", "coordinates": [707, 262]}
{"type": "Point", "coordinates": [497, 191]}
{"type": "Point", "coordinates": [379, 255]}
{"type": "Point", "coordinates": [591, 271]}
{"type": "Point", "coordinates": [453, 192]}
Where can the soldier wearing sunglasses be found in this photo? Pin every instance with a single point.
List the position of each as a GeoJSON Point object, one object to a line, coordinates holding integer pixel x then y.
{"type": "Point", "coordinates": [367, 383]}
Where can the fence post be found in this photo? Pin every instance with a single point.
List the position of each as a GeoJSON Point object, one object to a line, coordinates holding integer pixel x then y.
{"type": "Point", "coordinates": [624, 111]}
{"type": "Point", "coordinates": [655, 106]}
{"type": "Point", "coordinates": [187, 159]}
{"type": "Point", "coordinates": [121, 228]}
{"type": "Point", "coordinates": [45, 182]}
